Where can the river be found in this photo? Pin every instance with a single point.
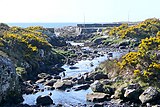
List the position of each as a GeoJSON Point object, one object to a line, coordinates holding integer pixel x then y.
{"type": "Point", "coordinates": [72, 97]}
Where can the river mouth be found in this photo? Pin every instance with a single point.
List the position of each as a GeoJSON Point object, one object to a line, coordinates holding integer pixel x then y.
{"type": "Point", "coordinates": [71, 97]}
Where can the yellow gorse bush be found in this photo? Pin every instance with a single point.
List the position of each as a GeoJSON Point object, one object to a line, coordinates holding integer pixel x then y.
{"type": "Point", "coordinates": [144, 29]}
{"type": "Point", "coordinates": [146, 57]}
{"type": "Point", "coordinates": [137, 72]}
{"type": "Point", "coordinates": [35, 28]}
{"type": "Point", "coordinates": [29, 40]}
{"type": "Point", "coordinates": [115, 30]}
{"type": "Point", "coordinates": [129, 59]}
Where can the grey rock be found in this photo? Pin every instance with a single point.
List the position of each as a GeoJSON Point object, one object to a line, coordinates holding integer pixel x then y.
{"type": "Point", "coordinates": [119, 93]}
{"type": "Point", "coordinates": [81, 87]}
{"type": "Point", "coordinates": [98, 105]}
{"type": "Point", "coordinates": [117, 101]}
{"type": "Point", "coordinates": [73, 67]}
{"type": "Point", "coordinates": [97, 97]}
{"type": "Point", "coordinates": [80, 80]}
{"type": "Point", "coordinates": [57, 77]}
{"type": "Point", "coordinates": [132, 92]}
{"type": "Point", "coordinates": [49, 87]}
{"type": "Point", "coordinates": [97, 86]}
{"type": "Point", "coordinates": [63, 84]}
{"type": "Point", "coordinates": [90, 76]}
{"type": "Point", "coordinates": [150, 94]}
{"type": "Point", "coordinates": [41, 80]}
{"type": "Point", "coordinates": [99, 76]}
{"type": "Point", "coordinates": [23, 105]}
{"type": "Point", "coordinates": [106, 82]}
{"type": "Point", "coordinates": [122, 47]}
{"type": "Point", "coordinates": [110, 54]}
{"type": "Point", "coordinates": [59, 105]}
{"type": "Point", "coordinates": [43, 75]}
{"type": "Point", "coordinates": [44, 100]}
{"type": "Point", "coordinates": [50, 82]}
{"type": "Point", "coordinates": [108, 90]}
{"type": "Point", "coordinates": [29, 90]}
{"type": "Point", "coordinates": [9, 83]}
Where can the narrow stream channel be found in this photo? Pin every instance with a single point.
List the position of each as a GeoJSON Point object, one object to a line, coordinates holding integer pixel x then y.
{"type": "Point", "coordinates": [72, 97]}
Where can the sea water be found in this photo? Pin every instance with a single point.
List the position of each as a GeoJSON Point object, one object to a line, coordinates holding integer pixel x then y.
{"type": "Point", "coordinates": [45, 25]}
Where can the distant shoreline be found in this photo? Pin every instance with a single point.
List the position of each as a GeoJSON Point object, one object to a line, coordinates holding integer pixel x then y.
{"type": "Point", "coordinates": [57, 25]}
{"type": "Point", "coordinates": [45, 25]}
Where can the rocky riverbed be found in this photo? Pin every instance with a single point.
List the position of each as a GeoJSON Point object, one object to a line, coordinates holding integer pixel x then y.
{"type": "Point", "coordinates": [71, 87]}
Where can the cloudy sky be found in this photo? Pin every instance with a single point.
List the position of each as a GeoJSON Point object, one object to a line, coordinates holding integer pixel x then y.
{"type": "Point", "coordinates": [75, 10]}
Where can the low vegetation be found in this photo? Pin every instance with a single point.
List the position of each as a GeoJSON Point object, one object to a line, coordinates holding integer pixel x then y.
{"type": "Point", "coordinates": [142, 30]}
{"type": "Point", "coordinates": [30, 49]}
{"type": "Point", "coordinates": [145, 62]}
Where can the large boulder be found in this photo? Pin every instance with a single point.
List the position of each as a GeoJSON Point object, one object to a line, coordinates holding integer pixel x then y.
{"type": "Point", "coordinates": [97, 97]}
{"type": "Point", "coordinates": [43, 75]}
{"type": "Point", "coordinates": [96, 76]}
{"type": "Point", "coordinates": [9, 83]}
{"type": "Point", "coordinates": [62, 85]}
{"type": "Point", "coordinates": [150, 94]}
{"type": "Point", "coordinates": [97, 86]}
{"type": "Point", "coordinates": [50, 82]}
{"type": "Point", "coordinates": [40, 81]}
{"type": "Point", "coordinates": [99, 76]}
{"type": "Point", "coordinates": [108, 90]}
{"type": "Point", "coordinates": [81, 87]}
{"type": "Point", "coordinates": [44, 100]}
{"type": "Point", "coordinates": [81, 80]}
{"type": "Point", "coordinates": [119, 93]}
{"type": "Point", "coordinates": [132, 92]}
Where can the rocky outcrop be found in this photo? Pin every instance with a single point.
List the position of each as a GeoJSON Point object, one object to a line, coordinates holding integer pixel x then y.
{"type": "Point", "coordinates": [32, 50]}
{"type": "Point", "coordinates": [4, 26]}
{"type": "Point", "coordinates": [9, 83]}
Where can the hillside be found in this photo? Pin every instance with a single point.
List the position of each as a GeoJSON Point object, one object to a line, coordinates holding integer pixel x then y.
{"type": "Point", "coordinates": [30, 49]}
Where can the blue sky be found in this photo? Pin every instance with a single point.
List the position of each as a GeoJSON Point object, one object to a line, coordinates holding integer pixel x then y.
{"type": "Point", "coordinates": [75, 10]}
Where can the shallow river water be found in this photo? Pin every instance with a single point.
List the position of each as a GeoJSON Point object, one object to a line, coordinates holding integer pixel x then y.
{"type": "Point", "coordinates": [72, 97]}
